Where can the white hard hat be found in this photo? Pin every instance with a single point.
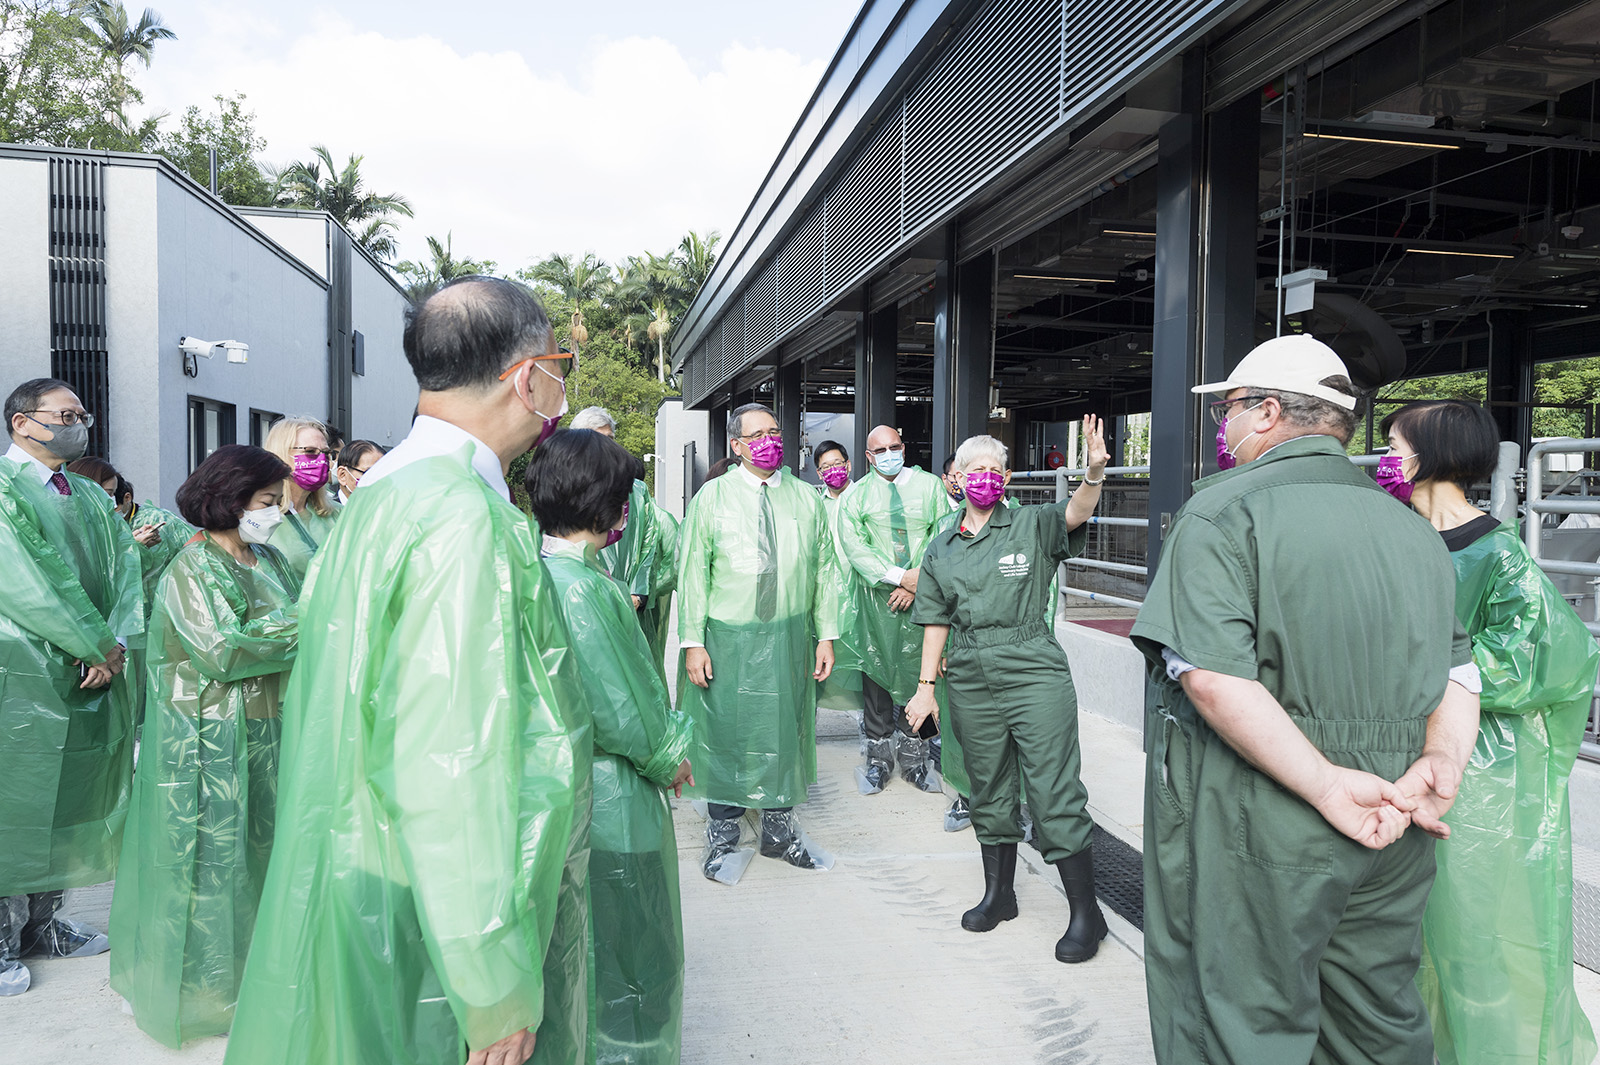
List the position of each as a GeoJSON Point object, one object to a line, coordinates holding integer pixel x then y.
{"type": "Point", "coordinates": [1293, 363]}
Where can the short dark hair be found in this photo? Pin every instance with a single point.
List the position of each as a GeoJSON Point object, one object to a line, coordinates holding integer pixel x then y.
{"type": "Point", "coordinates": [720, 467]}
{"type": "Point", "coordinates": [97, 470]}
{"type": "Point", "coordinates": [578, 481]}
{"type": "Point", "coordinates": [470, 331]}
{"type": "Point", "coordinates": [1454, 440]}
{"type": "Point", "coordinates": [215, 494]}
{"type": "Point", "coordinates": [736, 418]}
{"type": "Point", "coordinates": [28, 395]}
{"type": "Point", "coordinates": [825, 447]}
{"type": "Point", "coordinates": [351, 454]}
{"type": "Point", "coordinates": [949, 463]}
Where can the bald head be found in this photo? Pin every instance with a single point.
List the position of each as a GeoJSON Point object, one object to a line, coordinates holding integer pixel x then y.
{"type": "Point", "coordinates": [467, 333]}
{"type": "Point", "coordinates": [884, 436]}
{"type": "Point", "coordinates": [886, 451]}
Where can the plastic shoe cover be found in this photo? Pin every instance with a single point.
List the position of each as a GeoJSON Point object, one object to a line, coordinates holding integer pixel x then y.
{"type": "Point", "coordinates": [959, 816]}
{"type": "Point", "coordinates": [64, 938]}
{"type": "Point", "coordinates": [14, 977]}
{"type": "Point", "coordinates": [724, 860]}
{"type": "Point", "coordinates": [912, 753]}
{"type": "Point", "coordinates": [936, 753]}
{"type": "Point", "coordinates": [784, 839]}
{"type": "Point", "coordinates": [874, 776]}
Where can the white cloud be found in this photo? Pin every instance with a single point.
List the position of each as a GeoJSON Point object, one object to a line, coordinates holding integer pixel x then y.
{"type": "Point", "coordinates": [621, 147]}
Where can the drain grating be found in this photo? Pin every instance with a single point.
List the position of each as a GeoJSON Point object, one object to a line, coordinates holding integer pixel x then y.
{"type": "Point", "coordinates": [1119, 876]}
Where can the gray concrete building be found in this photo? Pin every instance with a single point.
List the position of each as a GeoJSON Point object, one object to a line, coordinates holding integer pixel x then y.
{"type": "Point", "coordinates": [114, 271]}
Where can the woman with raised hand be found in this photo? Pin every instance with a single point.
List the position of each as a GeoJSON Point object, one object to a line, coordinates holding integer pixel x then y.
{"type": "Point", "coordinates": [984, 591]}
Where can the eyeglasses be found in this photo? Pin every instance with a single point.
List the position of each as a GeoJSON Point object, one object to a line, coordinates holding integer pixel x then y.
{"type": "Point", "coordinates": [68, 418]}
{"type": "Point", "coordinates": [566, 362]}
{"type": "Point", "coordinates": [772, 433]}
{"type": "Point", "coordinates": [1220, 409]}
{"type": "Point", "coordinates": [312, 452]}
{"type": "Point", "coordinates": [876, 451]}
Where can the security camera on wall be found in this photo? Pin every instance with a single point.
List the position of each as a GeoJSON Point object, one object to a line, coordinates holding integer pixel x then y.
{"type": "Point", "coordinates": [238, 350]}
{"type": "Point", "coordinates": [196, 348]}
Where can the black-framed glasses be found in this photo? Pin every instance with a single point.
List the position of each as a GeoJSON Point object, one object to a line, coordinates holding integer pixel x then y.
{"type": "Point", "coordinates": [312, 452]}
{"type": "Point", "coordinates": [1220, 409]}
{"type": "Point", "coordinates": [68, 418]}
{"type": "Point", "coordinates": [876, 451]}
{"type": "Point", "coordinates": [773, 432]}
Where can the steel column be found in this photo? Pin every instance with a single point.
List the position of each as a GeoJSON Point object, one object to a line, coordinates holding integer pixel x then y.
{"type": "Point", "coordinates": [788, 401]}
{"type": "Point", "coordinates": [944, 438]}
{"type": "Point", "coordinates": [717, 446]}
{"type": "Point", "coordinates": [877, 358]}
{"type": "Point", "coordinates": [1205, 282]}
{"type": "Point", "coordinates": [1510, 377]}
{"type": "Point", "coordinates": [974, 347]}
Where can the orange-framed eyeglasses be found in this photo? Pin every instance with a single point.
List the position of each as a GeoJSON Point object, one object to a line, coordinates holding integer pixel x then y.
{"type": "Point", "coordinates": [565, 361]}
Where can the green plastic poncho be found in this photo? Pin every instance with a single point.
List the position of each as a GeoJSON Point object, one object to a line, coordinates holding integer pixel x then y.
{"type": "Point", "coordinates": [153, 562]}
{"type": "Point", "coordinates": [664, 581]}
{"type": "Point", "coordinates": [842, 689]}
{"type": "Point", "coordinates": [636, 562]}
{"type": "Point", "coordinates": [755, 727]}
{"type": "Point", "coordinates": [427, 893]}
{"type": "Point", "coordinates": [1497, 934]}
{"type": "Point", "coordinates": [299, 535]}
{"type": "Point", "coordinates": [635, 920]}
{"type": "Point", "coordinates": [222, 642]}
{"type": "Point", "coordinates": [884, 525]}
{"type": "Point", "coordinates": [70, 590]}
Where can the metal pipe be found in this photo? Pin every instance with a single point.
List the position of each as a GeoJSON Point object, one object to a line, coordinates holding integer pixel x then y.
{"type": "Point", "coordinates": [1503, 482]}
{"type": "Point", "coordinates": [1110, 600]}
{"type": "Point", "coordinates": [1578, 569]}
{"type": "Point", "coordinates": [1571, 506]}
{"type": "Point", "coordinates": [1083, 471]}
{"type": "Point", "coordinates": [1143, 523]}
{"type": "Point", "coordinates": [1532, 528]}
{"type": "Point", "coordinates": [1120, 567]}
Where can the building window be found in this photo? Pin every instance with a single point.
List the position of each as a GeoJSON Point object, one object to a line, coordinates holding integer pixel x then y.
{"type": "Point", "coordinates": [260, 422]}
{"type": "Point", "coordinates": [211, 424]}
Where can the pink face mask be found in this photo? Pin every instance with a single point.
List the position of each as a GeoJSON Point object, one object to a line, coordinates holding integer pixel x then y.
{"type": "Point", "coordinates": [766, 452]}
{"type": "Point", "coordinates": [1392, 479]}
{"type": "Point", "coordinates": [836, 477]}
{"type": "Point", "coordinates": [985, 488]}
{"type": "Point", "coordinates": [310, 471]}
{"type": "Point", "coordinates": [1227, 458]}
{"type": "Point", "coordinates": [615, 535]}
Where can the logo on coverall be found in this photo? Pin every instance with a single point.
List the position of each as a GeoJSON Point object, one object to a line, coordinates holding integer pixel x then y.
{"type": "Point", "coordinates": [1014, 565]}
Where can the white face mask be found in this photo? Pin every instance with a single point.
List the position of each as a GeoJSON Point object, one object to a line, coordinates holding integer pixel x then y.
{"type": "Point", "coordinates": [255, 526]}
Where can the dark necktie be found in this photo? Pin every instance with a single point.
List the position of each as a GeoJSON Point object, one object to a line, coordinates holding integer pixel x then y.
{"type": "Point", "coordinates": [58, 481]}
{"type": "Point", "coordinates": [897, 526]}
{"type": "Point", "coordinates": [766, 561]}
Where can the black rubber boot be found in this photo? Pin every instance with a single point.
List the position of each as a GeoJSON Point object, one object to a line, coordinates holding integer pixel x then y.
{"type": "Point", "coordinates": [999, 896]}
{"type": "Point", "coordinates": [1088, 925]}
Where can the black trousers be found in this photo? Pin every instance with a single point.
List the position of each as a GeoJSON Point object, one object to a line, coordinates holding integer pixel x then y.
{"type": "Point", "coordinates": [22, 917]}
{"type": "Point", "coordinates": [720, 812]}
{"type": "Point", "coordinates": [882, 717]}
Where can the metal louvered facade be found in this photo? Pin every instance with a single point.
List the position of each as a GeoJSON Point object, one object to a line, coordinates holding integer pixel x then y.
{"type": "Point", "coordinates": [1011, 76]}
{"type": "Point", "coordinates": [78, 352]}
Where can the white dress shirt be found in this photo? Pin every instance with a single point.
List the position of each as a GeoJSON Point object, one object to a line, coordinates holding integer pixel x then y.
{"type": "Point", "coordinates": [16, 454]}
{"type": "Point", "coordinates": [430, 437]}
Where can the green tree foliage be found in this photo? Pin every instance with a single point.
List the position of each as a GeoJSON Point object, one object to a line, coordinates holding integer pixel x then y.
{"type": "Point", "coordinates": [58, 84]}
{"type": "Point", "coordinates": [121, 40]}
{"type": "Point", "coordinates": [1576, 381]}
{"type": "Point", "coordinates": [230, 129]}
{"type": "Point", "coordinates": [441, 266]}
{"type": "Point", "coordinates": [320, 185]}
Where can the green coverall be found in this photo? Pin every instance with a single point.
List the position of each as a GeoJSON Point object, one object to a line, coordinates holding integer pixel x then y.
{"type": "Point", "coordinates": [842, 689]}
{"type": "Point", "coordinates": [755, 726]}
{"type": "Point", "coordinates": [635, 919]}
{"type": "Point", "coordinates": [1497, 935]}
{"type": "Point", "coordinates": [657, 611]}
{"type": "Point", "coordinates": [1011, 699]}
{"type": "Point", "coordinates": [70, 588]}
{"type": "Point", "coordinates": [199, 833]}
{"type": "Point", "coordinates": [1270, 937]}
{"type": "Point", "coordinates": [299, 535]}
{"type": "Point", "coordinates": [428, 889]}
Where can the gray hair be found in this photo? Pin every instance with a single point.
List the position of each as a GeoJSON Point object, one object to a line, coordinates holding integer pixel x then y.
{"type": "Point", "coordinates": [594, 418]}
{"type": "Point", "coordinates": [974, 448]}
{"type": "Point", "coordinates": [1313, 416]}
{"type": "Point", "coordinates": [736, 418]}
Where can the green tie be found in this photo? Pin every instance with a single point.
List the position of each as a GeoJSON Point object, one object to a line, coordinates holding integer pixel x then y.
{"type": "Point", "coordinates": [897, 526]}
{"type": "Point", "coordinates": [767, 562]}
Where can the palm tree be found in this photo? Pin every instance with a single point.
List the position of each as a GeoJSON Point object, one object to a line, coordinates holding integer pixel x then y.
{"type": "Point", "coordinates": [342, 194]}
{"type": "Point", "coordinates": [696, 256]}
{"type": "Point", "coordinates": [107, 25]}
{"type": "Point", "coordinates": [658, 329]}
{"type": "Point", "coordinates": [585, 278]}
{"type": "Point", "coordinates": [442, 267]}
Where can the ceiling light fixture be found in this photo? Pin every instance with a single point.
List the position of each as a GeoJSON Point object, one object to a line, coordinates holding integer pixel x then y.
{"type": "Point", "coordinates": [1144, 234]}
{"type": "Point", "coordinates": [1453, 251]}
{"type": "Point", "coordinates": [1058, 277]}
{"type": "Point", "coordinates": [1381, 140]}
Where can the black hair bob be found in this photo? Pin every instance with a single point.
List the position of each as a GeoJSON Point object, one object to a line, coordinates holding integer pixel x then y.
{"type": "Point", "coordinates": [1454, 440]}
{"type": "Point", "coordinates": [218, 490]}
{"type": "Point", "coordinates": [578, 481]}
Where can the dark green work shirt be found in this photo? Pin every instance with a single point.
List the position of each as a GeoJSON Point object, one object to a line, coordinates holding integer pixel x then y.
{"type": "Point", "coordinates": [999, 578]}
{"type": "Point", "coordinates": [1298, 571]}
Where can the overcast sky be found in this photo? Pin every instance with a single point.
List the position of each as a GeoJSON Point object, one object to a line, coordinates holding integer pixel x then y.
{"type": "Point", "coordinates": [611, 126]}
